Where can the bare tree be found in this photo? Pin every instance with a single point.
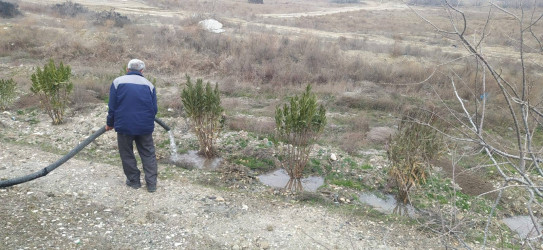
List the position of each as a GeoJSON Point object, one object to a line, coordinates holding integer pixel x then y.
{"type": "Point", "coordinates": [517, 154]}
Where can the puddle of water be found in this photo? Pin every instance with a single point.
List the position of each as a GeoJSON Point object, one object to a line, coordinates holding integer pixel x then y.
{"type": "Point", "coordinates": [388, 205]}
{"type": "Point", "coordinates": [192, 160]}
{"type": "Point", "coordinates": [279, 179]}
{"type": "Point", "coordinates": [522, 225]}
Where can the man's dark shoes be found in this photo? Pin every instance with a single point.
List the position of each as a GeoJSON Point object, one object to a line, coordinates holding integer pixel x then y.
{"type": "Point", "coordinates": [151, 189]}
{"type": "Point", "coordinates": [133, 184]}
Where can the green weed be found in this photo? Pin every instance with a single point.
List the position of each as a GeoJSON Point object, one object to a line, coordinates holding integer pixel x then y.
{"type": "Point", "coordinates": [255, 163]}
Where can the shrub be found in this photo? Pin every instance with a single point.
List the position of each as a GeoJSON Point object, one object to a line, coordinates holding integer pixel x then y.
{"type": "Point", "coordinates": [104, 17]}
{"type": "Point", "coordinates": [203, 108]}
{"type": "Point", "coordinates": [53, 86]}
{"type": "Point", "coordinates": [9, 10]}
{"type": "Point", "coordinates": [298, 126]}
{"type": "Point", "coordinates": [70, 9]}
{"type": "Point", "coordinates": [409, 151]}
{"type": "Point", "coordinates": [7, 93]}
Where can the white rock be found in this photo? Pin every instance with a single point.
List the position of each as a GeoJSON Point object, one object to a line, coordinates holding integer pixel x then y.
{"type": "Point", "coordinates": [211, 25]}
{"type": "Point", "coordinates": [333, 157]}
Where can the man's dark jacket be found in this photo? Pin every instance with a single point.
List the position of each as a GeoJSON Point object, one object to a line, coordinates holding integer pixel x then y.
{"type": "Point", "coordinates": [132, 105]}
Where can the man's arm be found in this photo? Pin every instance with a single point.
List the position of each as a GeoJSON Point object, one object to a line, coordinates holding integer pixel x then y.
{"type": "Point", "coordinates": [155, 101]}
{"type": "Point", "coordinates": [110, 122]}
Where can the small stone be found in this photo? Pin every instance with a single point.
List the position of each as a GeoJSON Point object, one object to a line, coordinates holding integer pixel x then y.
{"type": "Point", "coordinates": [219, 199]}
{"type": "Point", "coordinates": [265, 245]}
{"type": "Point", "coordinates": [244, 207]}
{"type": "Point", "coordinates": [333, 157]}
{"type": "Point", "coordinates": [236, 247]}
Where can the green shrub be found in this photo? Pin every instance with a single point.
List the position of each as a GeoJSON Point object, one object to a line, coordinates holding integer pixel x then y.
{"type": "Point", "coordinates": [298, 126]}
{"type": "Point", "coordinates": [53, 86]}
{"type": "Point", "coordinates": [203, 108]}
{"type": "Point", "coordinates": [410, 150]}
{"type": "Point", "coordinates": [7, 93]}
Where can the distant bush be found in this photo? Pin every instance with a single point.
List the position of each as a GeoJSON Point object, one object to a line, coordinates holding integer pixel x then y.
{"type": "Point", "coordinates": [7, 93]}
{"type": "Point", "coordinates": [104, 17]}
{"type": "Point", "coordinates": [70, 9]}
{"type": "Point", "coordinates": [9, 10]}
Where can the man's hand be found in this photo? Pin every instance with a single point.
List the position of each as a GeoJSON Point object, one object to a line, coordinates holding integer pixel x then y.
{"type": "Point", "coordinates": [108, 128]}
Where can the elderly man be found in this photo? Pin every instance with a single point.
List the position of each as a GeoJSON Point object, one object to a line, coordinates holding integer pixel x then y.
{"type": "Point", "coordinates": [132, 109]}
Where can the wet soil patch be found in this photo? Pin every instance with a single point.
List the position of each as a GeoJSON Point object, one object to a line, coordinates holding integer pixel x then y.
{"type": "Point", "coordinates": [469, 180]}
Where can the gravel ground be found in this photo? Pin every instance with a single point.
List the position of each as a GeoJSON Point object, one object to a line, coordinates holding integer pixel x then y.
{"type": "Point", "coordinates": [85, 203]}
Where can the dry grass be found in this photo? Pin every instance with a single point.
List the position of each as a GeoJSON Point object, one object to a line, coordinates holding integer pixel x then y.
{"type": "Point", "coordinates": [261, 126]}
{"type": "Point", "coordinates": [353, 133]}
{"type": "Point", "coordinates": [252, 61]}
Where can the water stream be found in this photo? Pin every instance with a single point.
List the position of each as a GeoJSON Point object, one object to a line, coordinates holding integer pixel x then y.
{"type": "Point", "coordinates": [173, 147]}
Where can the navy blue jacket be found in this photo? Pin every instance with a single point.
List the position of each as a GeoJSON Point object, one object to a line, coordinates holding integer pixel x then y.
{"type": "Point", "coordinates": [132, 105]}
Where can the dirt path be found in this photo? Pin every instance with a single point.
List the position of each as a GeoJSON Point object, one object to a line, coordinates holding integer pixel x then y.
{"type": "Point", "coordinates": [369, 5]}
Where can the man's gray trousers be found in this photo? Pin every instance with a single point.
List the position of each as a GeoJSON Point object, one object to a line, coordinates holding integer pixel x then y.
{"type": "Point", "coordinates": [146, 150]}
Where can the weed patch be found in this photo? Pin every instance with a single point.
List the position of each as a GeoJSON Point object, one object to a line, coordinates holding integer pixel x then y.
{"type": "Point", "coordinates": [9, 10]}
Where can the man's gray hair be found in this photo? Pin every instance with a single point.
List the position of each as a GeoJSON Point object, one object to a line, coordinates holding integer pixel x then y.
{"type": "Point", "coordinates": [136, 65]}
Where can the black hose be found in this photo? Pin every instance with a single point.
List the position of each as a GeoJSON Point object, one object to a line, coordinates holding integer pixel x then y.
{"type": "Point", "coordinates": [65, 158]}
{"type": "Point", "coordinates": [161, 123]}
